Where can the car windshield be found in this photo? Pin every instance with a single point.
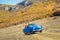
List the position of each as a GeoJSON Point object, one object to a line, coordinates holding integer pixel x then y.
{"type": "Point", "coordinates": [31, 24]}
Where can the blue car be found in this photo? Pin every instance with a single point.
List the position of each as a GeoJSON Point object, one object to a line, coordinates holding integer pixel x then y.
{"type": "Point", "coordinates": [32, 28]}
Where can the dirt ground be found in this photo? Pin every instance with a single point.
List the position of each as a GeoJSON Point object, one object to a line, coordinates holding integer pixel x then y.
{"type": "Point", "coordinates": [51, 31]}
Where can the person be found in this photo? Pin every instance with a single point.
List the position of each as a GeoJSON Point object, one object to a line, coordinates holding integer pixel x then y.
{"type": "Point", "coordinates": [26, 26]}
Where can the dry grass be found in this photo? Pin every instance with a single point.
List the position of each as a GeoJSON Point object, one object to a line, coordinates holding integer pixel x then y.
{"type": "Point", "coordinates": [15, 32]}
{"type": "Point", "coordinates": [36, 11]}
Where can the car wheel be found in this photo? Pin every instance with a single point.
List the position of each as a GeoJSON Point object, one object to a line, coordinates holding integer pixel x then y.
{"type": "Point", "coordinates": [40, 30]}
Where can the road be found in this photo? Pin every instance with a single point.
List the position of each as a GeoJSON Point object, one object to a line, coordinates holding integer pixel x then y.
{"type": "Point", "coordinates": [15, 32]}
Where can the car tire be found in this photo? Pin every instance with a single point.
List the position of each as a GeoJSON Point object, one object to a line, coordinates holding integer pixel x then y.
{"type": "Point", "coordinates": [40, 30]}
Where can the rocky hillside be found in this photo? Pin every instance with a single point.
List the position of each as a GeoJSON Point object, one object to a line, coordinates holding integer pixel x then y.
{"type": "Point", "coordinates": [32, 12]}
{"type": "Point", "coordinates": [22, 4]}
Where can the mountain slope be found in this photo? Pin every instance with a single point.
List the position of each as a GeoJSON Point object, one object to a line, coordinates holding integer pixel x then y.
{"type": "Point", "coordinates": [30, 13]}
{"type": "Point", "coordinates": [51, 31]}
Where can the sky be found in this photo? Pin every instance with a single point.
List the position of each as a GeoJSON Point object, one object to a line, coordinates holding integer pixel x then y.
{"type": "Point", "coordinates": [10, 2]}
